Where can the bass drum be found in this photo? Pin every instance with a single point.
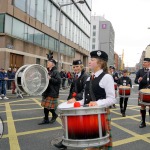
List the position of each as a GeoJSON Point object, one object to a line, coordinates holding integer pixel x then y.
{"type": "Point", "coordinates": [32, 79]}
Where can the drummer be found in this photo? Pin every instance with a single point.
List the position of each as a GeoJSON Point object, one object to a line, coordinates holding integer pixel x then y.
{"type": "Point", "coordinates": [143, 79]}
{"type": "Point", "coordinates": [76, 88]}
{"type": "Point", "coordinates": [124, 81]}
{"type": "Point", "coordinates": [99, 88]}
{"type": "Point", "coordinates": [51, 94]}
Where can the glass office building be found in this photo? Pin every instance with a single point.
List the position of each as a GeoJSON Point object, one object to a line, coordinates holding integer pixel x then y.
{"type": "Point", "coordinates": [29, 29]}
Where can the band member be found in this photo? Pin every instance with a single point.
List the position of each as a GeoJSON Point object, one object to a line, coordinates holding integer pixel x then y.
{"type": "Point", "coordinates": [124, 81]}
{"type": "Point", "coordinates": [51, 94]}
{"type": "Point", "coordinates": [76, 88]}
{"type": "Point", "coordinates": [97, 90]}
{"type": "Point", "coordinates": [143, 79]}
{"type": "Point", "coordinates": [113, 73]}
{"type": "Point", "coordinates": [115, 77]}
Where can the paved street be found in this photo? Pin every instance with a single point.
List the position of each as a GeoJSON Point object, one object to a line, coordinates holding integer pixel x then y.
{"type": "Point", "coordinates": [22, 132]}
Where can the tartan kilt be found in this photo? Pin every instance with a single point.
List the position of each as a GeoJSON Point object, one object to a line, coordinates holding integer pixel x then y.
{"type": "Point", "coordinates": [49, 102]}
{"type": "Point", "coordinates": [108, 146]}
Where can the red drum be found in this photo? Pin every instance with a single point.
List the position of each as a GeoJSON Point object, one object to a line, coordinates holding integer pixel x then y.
{"type": "Point", "coordinates": [115, 86]}
{"type": "Point", "coordinates": [145, 96]}
{"type": "Point", "coordinates": [84, 126]}
{"type": "Point", "coordinates": [124, 91]}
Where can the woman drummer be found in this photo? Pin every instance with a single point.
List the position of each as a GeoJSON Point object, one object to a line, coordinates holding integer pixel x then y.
{"type": "Point", "coordinates": [124, 81]}
{"type": "Point", "coordinates": [76, 88]}
{"type": "Point", "coordinates": [102, 86]}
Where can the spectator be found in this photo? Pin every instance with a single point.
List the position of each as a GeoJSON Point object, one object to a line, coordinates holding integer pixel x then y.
{"type": "Point", "coordinates": [63, 78]}
{"type": "Point", "coordinates": [3, 77]}
{"type": "Point", "coordinates": [9, 71]}
{"type": "Point", "coordinates": [13, 80]}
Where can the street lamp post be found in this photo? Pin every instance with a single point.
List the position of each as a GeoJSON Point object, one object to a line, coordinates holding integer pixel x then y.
{"type": "Point", "coordinates": [59, 62]}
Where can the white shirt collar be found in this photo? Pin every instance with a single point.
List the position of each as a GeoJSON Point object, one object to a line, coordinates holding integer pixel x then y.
{"type": "Point", "coordinates": [98, 72]}
{"type": "Point", "coordinates": [78, 74]}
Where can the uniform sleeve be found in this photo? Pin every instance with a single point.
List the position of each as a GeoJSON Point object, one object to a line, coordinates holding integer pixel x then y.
{"type": "Point", "coordinates": [107, 83]}
{"type": "Point", "coordinates": [137, 77]}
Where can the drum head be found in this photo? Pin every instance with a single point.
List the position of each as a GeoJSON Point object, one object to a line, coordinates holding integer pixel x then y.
{"type": "Point", "coordinates": [65, 105]}
{"type": "Point", "coordinates": [32, 79]}
{"type": "Point", "coordinates": [145, 91]}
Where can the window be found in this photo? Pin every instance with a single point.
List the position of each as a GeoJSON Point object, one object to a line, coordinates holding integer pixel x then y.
{"type": "Point", "coordinates": [38, 61]}
{"type": "Point", "coordinates": [37, 37]}
{"type": "Point", "coordinates": [40, 6]}
{"type": "Point", "coordinates": [94, 33]}
{"type": "Point", "coordinates": [21, 4]}
{"type": "Point", "coordinates": [8, 24]}
{"type": "Point", "coordinates": [18, 28]}
{"type": "Point", "coordinates": [93, 40]}
{"type": "Point", "coordinates": [94, 27]}
{"type": "Point", "coordinates": [32, 8]}
{"type": "Point", "coordinates": [93, 46]}
{"type": "Point", "coordinates": [2, 23]}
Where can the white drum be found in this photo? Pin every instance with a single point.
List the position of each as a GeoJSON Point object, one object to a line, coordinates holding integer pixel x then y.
{"type": "Point", "coordinates": [83, 126]}
{"type": "Point", "coordinates": [32, 79]}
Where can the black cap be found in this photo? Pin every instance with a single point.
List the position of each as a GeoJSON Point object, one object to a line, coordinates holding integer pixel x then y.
{"type": "Point", "coordinates": [147, 59]}
{"type": "Point", "coordinates": [99, 54]}
{"type": "Point", "coordinates": [77, 62]}
{"type": "Point", "coordinates": [50, 58]}
{"type": "Point", "coordinates": [111, 67]}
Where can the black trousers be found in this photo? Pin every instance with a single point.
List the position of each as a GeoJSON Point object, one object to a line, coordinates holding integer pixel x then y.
{"type": "Point", "coordinates": [123, 103]}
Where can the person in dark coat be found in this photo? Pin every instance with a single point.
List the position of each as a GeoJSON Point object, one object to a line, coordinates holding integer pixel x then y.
{"type": "Point", "coordinates": [51, 94]}
{"type": "Point", "coordinates": [124, 81]}
{"type": "Point", "coordinates": [143, 79]}
{"type": "Point", "coordinates": [77, 87]}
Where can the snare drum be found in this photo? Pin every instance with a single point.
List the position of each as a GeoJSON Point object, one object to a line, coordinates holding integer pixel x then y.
{"type": "Point", "coordinates": [124, 91]}
{"type": "Point", "coordinates": [84, 126]}
{"type": "Point", "coordinates": [145, 96]}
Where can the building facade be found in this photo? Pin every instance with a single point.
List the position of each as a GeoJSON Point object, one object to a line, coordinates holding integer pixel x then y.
{"type": "Point", "coordinates": [29, 29]}
{"type": "Point", "coordinates": [102, 37]}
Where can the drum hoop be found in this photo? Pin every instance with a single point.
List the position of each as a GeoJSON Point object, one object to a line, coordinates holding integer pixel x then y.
{"type": "Point", "coordinates": [81, 111]}
{"type": "Point", "coordinates": [16, 75]}
{"type": "Point", "coordinates": [144, 103]}
{"type": "Point", "coordinates": [23, 83]}
{"type": "Point", "coordinates": [87, 143]}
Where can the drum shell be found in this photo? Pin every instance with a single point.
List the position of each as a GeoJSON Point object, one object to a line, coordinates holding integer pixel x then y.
{"type": "Point", "coordinates": [124, 92]}
{"type": "Point", "coordinates": [83, 125]}
{"type": "Point", "coordinates": [144, 97]}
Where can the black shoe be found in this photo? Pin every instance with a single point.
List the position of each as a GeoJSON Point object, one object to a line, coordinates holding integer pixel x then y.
{"type": "Point", "coordinates": [53, 119]}
{"type": "Point", "coordinates": [44, 122]}
{"type": "Point", "coordinates": [123, 115]}
{"type": "Point", "coordinates": [142, 125]}
{"type": "Point", "coordinates": [60, 145]}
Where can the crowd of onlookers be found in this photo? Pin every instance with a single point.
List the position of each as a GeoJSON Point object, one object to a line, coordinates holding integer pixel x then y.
{"type": "Point", "coordinates": [7, 82]}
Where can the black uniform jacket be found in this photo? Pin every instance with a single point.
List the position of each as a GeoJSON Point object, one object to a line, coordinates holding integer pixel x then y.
{"type": "Point", "coordinates": [124, 81]}
{"type": "Point", "coordinates": [54, 84]}
{"type": "Point", "coordinates": [144, 83]}
{"type": "Point", "coordinates": [77, 86]}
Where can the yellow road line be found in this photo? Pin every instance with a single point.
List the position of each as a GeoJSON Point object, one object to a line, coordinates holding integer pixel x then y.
{"type": "Point", "coordinates": [13, 140]}
{"type": "Point", "coordinates": [23, 104]}
{"type": "Point", "coordinates": [136, 136]}
{"type": "Point", "coordinates": [34, 132]}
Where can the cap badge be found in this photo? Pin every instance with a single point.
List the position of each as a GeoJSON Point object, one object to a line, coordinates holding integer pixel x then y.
{"type": "Point", "coordinates": [99, 53]}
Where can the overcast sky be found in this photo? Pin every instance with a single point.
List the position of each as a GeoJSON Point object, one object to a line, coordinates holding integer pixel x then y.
{"type": "Point", "coordinates": [130, 20]}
